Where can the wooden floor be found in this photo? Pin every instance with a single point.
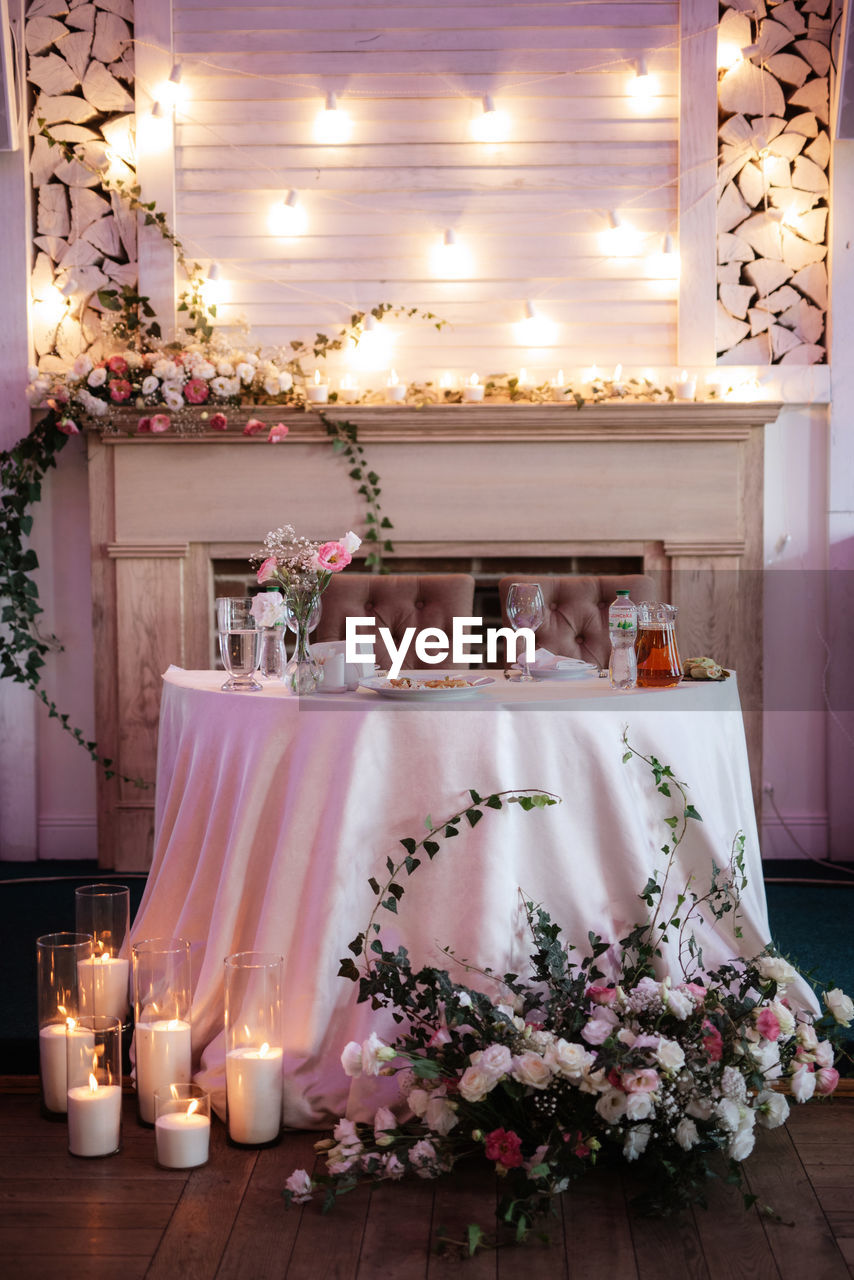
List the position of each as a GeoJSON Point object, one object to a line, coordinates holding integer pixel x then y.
{"type": "Point", "coordinates": [122, 1218]}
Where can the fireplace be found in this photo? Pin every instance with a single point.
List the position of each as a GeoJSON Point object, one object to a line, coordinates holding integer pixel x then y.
{"type": "Point", "coordinates": [674, 491]}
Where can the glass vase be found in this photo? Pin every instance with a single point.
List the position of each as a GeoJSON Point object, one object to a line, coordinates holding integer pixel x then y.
{"type": "Point", "coordinates": [302, 604]}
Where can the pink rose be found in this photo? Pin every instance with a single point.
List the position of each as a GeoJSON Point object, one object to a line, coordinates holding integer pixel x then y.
{"type": "Point", "coordinates": [160, 422]}
{"type": "Point", "coordinates": [826, 1080]}
{"type": "Point", "coordinates": [120, 389]}
{"type": "Point", "coordinates": [144, 424]}
{"type": "Point", "coordinates": [219, 422]}
{"type": "Point", "coordinates": [713, 1042]}
{"type": "Point", "coordinates": [694, 989]}
{"type": "Point", "coordinates": [601, 995]}
{"type": "Point", "coordinates": [196, 391]}
{"type": "Point", "coordinates": [643, 1080]}
{"type": "Point", "coordinates": [768, 1024]}
{"type": "Point", "coordinates": [267, 571]}
{"type": "Point", "coordinates": [504, 1146]}
{"type": "Point", "coordinates": [117, 364]}
{"type": "Point", "coordinates": [67, 427]}
{"type": "Point", "coordinates": [597, 1031]}
{"type": "Point", "coordinates": [253, 426]}
{"type": "Point", "coordinates": [332, 557]}
{"type": "Point", "coordinates": [277, 433]}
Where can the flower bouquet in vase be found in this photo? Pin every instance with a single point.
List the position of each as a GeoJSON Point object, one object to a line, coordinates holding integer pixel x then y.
{"type": "Point", "coordinates": [302, 570]}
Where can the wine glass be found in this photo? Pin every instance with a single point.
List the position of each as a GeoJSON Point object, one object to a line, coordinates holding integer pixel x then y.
{"type": "Point", "coordinates": [239, 642]}
{"type": "Point", "coordinates": [525, 608]}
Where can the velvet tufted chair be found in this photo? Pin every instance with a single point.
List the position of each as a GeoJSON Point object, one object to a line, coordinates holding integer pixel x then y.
{"type": "Point", "coordinates": [397, 601]}
{"type": "Point", "coordinates": [576, 624]}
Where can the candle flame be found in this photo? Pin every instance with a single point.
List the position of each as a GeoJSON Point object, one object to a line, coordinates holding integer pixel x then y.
{"type": "Point", "coordinates": [193, 1107]}
{"type": "Point", "coordinates": [474, 380]}
{"type": "Point", "coordinates": [70, 1024]}
{"type": "Point", "coordinates": [523, 375]}
{"type": "Point", "coordinates": [93, 1083]}
{"type": "Point", "coordinates": [617, 372]}
{"type": "Point", "coordinates": [264, 1050]}
{"type": "Point", "coordinates": [684, 376]}
{"type": "Point", "coordinates": [317, 377]}
{"type": "Point", "coordinates": [393, 378]}
{"type": "Point", "coordinates": [60, 1008]}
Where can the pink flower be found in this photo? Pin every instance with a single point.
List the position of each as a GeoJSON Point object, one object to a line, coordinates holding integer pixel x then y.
{"type": "Point", "coordinates": [160, 422]}
{"type": "Point", "coordinates": [117, 364]}
{"type": "Point", "coordinates": [504, 1146]}
{"type": "Point", "coordinates": [267, 571]}
{"type": "Point", "coordinates": [826, 1080]}
{"type": "Point", "coordinates": [694, 989]}
{"type": "Point", "coordinates": [601, 995]}
{"type": "Point", "coordinates": [253, 426]}
{"type": "Point", "coordinates": [643, 1080]}
{"type": "Point", "coordinates": [713, 1042]}
{"type": "Point", "coordinates": [768, 1024]}
{"type": "Point", "coordinates": [332, 557]}
{"type": "Point", "coordinates": [144, 424]}
{"type": "Point", "coordinates": [219, 422]}
{"type": "Point", "coordinates": [67, 427]}
{"type": "Point", "coordinates": [277, 433]}
{"type": "Point", "coordinates": [120, 389]}
{"type": "Point", "coordinates": [196, 391]}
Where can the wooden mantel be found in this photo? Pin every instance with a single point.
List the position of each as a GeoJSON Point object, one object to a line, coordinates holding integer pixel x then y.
{"type": "Point", "coordinates": [678, 485]}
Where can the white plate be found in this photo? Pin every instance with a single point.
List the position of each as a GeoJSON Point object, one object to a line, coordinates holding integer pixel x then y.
{"type": "Point", "coordinates": [565, 673]}
{"type": "Point", "coordinates": [420, 692]}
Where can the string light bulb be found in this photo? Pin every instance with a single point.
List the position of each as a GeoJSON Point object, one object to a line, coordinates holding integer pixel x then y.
{"type": "Point", "coordinates": [643, 87]}
{"type": "Point", "coordinates": [491, 125]}
{"type": "Point", "coordinates": [450, 258]}
{"type": "Point", "coordinates": [534, 330]}
{"type": "Point", "coordinates": [172, 92]}
{"type": "Point", "coordinates": [372, 345]}
{"type": "Point", "coordinates": [664, 264]}
{"type": "Point", "coordinates": [51, 307]}
{"type": "Point", "coordinates": [214, 288]}
{"type": "Point", "coordinates": [287, 217]}
{"type": "Point", "coordinates": [728, 55]}
{"type": "Point", "coordinates": [620, 238]}
{"type": "Point", "coordinates": [332, 125]}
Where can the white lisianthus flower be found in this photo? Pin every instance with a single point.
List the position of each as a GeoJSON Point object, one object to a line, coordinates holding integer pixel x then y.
{"type": "Point", "coordinates": [166, 370]}
{"type": "Point", "coordinates": [462, 997]}
{"type": "Point", "coordinates": [417, 1101]}
{"type": "Point", "coordinates": [384, 1122]}
{"type": "Point", "coordinates": [687, 1134]}
{"type": "Point", "coordinates": [728, 1113]}
{"type": "Point", "coordinates": [351, 1059]}
{"type": "Point", "coordinates": [840, 1005]}
{"type": "Point", "coordinates": [441, 1115]}
{"type": "Point", "coordinates": [636, 1141]}
{"type": "Point", "coordinates": [204, 369]}
{"type": "Point", "coordinates": [475, 1084]}
{"type": "Point", "coordinates": [271, 385]}
{"type": "Point", "coordinates": [611, 1105]}
{"type": "Point", "coordinates": [766, 1055]}
{"type": "Point", "coordinates": [97, 378]}
{"type": "Point", "coordinates": [375, 1052]}
{"type": "Point", "coordinates": [807, 1036]}
{"type": "Point", "coordinates": [245, 372]}
{"type": "Point", "coordinates": [570, 1060]}
{"type": "Point", "coordinates": [150, 385]}
{"type": "Point", "coordinates": [225, 387]}
{"type": "Point", "coordinates": [422, 1158]}
{"type": "Point", "coordinates": [351, 542]}
{"type": "Point", "coordinates": [172, 396]}
{"type": "Point", "coordinates": [679, 1004]}
{"type": "Point", "coordinates": [81, 368]}
{"type": "Point", "coordinates": [639, 1105]}
{"type": "Point", "coordinates": [824, 1054]}
{"type": "Point", "coordinates": [700, 1108]}
{"type": "Point", "coordinates": [772, 1109]}
{"type": "Point", "coordinates": [776, 969]}
{"type": "Point", "coordinates": [741, 1144]}
{"type": "Point", "coordinates": [670, 1054]}
{"type": "Point", "coordinates": [803, 1084]}
{"type": "Point", "coordinates": [346, 1134]}
{"type": "Point", "coordinates": [268, 608]}
{"type": "Point", "coordinates": [300, 1186]}
{"type": "Point", "coordinates": [225, 369]}
{"type": "Point", "coordinates": [530, 1069]}
{"type": "Point", "coordinates": [133, 359]}
{"type": "Point", "coordinates": [785, 1017]}
{"type": "Point", "coordinates": [97, 408]}
{"type": "Point", "coordinates": [391, 1167]}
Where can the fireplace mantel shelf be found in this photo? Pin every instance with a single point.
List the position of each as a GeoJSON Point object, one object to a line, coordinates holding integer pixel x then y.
{"type": "Point", "coordinates": [408, 424]}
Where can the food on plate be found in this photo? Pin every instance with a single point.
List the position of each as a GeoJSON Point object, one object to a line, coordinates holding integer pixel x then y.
{"type": "Point", "coordinates": [446, 682]}
{"type": "Point", "coordinates": [703, 669]}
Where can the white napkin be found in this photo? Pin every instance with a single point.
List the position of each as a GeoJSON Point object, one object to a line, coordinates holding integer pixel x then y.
{"type": "Point", "coordinates": [545, 660]}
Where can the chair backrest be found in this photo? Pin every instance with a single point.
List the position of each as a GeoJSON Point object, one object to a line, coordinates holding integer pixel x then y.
{"type": "Point", "coordinates": [576, 624]}
{"type": "Point", "coordinates": [397, 601]}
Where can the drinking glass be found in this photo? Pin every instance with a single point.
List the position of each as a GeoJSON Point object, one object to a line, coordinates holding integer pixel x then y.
{"type": "Point", "coordinates": [239, 642]}
{"type": "Point", "coordinates": [525, 608]}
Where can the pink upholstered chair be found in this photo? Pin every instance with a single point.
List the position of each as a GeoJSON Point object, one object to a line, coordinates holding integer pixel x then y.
{"type": "Point", "coordinates": [576, 624]}
{"type": "Point", "coordinates": [397, 601]}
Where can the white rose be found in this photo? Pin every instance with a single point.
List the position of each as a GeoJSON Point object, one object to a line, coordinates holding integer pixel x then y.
{"type": "Point", "coordinates": [741, 1144]}
{"type": "Point", "coordinates": [204, 369]}
{"type": "Point", "coordinates": [225, 369]}
{"type": "Point", "coordinates": [252, 359]}
{"type": "Point", "coordinates": [172, 396]}
{"type": "Point", "coordinates": [772, 1109]}
{"type": "Point", "coordinates": [687, 1134]}
{"type": "Point", "coordinates": [570, 1060]}
{"type": "Point", "coordinates": [529, 1069]}
{"type": "Point", "coordinates": [440, 1115]}
{"type": "Point", "coordinates": [803, 1084]}
{"type": "Point", "coordinates": [611, 1106]}
{"type": "Point", "coordinates": [807, 1036]}
{"type": "Point", "coordinates": [351, 542]}
{"type": "Point", "coordinates": [245, 372]}
{"type": "Point", "coordinates": [475, 1084]}
{"type": "Point", "coordinates": [351, 1059]}
{"type": "Point", "coordinates": [729, 1114]}
{"type": "Point", "coordinates": [82, 366]}
{"type": "Point", "coordinates": [268, 608]}
{"type": "Point", "coordinates": [271, 385]}
{"type": "Point", "coordinates": [638, 1106]}
{"type": "Point", "coordinates": [417, 1101]}
{"type": "Point", "coordinates": [383, 1122]}
{"type": "Point", "coordinates": [285, 381]}
{"type": "Point", "coordinates": [776, 969]}
{"type": "Point", "coordinates": [840, 1005]}
{"type": "Point", "coordinates": [636, 1140]}
{"type": "Point", "coordinates": [496, 1059]}
{"type": "Point", "coordinates": [670, 1055]}
{"type": "Point", "coordinates": [166, 369]}
{"type": "Point", "coordinates": [97, 378]}
{"type": "Point", "coordinates": [679, 1004]}
{"type": "Point", "coordinates": [225, 387]}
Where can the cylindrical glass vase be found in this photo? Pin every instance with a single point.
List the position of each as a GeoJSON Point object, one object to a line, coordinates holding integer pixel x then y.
{"type": "Point", "coordinates": [58, 960]}
{"type": "Point", "coordinates": [104, 911]}
{"type": "Point", "coordinates": [253, 1047]}
{"type": "Point", "coordinates": [182, 1125]}
{"type": "Point", "coordinates": [162, 996]}
{"type": "Point", "coordinates": [94, 1065]}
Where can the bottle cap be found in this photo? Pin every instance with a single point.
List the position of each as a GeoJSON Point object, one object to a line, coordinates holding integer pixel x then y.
{"type": "Point", "coordinates": [623, 591]}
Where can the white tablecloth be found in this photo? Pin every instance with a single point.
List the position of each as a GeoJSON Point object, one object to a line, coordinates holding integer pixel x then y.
{"type": "Point", "coordinates": [272, 812]}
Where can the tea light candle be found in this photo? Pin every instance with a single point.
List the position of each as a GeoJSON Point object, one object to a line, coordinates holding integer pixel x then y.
{"type": "Point", "coordinates": [616, 380]}
{"type": "Point", "coordinates": [317, 392]}
{"type": "Point", "coordinates": [104, 985]}
{"type": "Point", "coordinates": [347, 390]}
{"type": "Point", "coordinates": [523, 381]}
{"type": "Point", "coordinates": [686, 388]}
{"type": "Point", "coordinates": [558, 386]}
{"type": "Point", "coordinates": [94, 1118]}
{"type": "Point", "coordinates": [590, 379]}
{"type": "Point", "coordinates": [163, 1057]}
{"type": "Point", "coordinates": [395, 389]}
{"type": "Point", "coordinates": [473, 391]}
{"type": "Point", "coordinates": [253, 1091]}
{"type": "Point", "coordinates": [182, 1138]}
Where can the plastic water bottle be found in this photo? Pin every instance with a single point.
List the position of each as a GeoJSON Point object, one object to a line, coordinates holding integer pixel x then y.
{"type": "Point", "coordinates": [623, 630]}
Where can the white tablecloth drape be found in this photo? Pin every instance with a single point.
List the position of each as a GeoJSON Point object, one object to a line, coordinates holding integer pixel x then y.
{"type": "Point", "coordinates": [272, 812]}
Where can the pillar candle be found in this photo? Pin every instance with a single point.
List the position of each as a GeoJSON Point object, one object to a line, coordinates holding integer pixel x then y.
{"type": "Point", "coordinates": [104, 986]}
{"type": "Point", "coordinates": [253, 1090]}
{"type": "Point", "coordinates": [182, 1139]}
{"type": "Point", "coordinates": [94, 1119]}
{"type": "Point", "coordinates": [53, 1060]}
{"type": "Point", "coordinates": [163, 1057]}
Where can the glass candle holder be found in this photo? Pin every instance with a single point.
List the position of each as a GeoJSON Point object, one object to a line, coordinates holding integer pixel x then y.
{"type": "Point", "coordinates": [104, 911]}
{"type": "Point", "coordinates": [253, 1047]}
{"type": "Point", "coordinates": [182, 1125]}
{"type": "Point", "coordinates": [94, 1065]}
{"type": "Point", "coordinates": [58, 960]}
{"type": "Point", "coordinates": [162, 997]}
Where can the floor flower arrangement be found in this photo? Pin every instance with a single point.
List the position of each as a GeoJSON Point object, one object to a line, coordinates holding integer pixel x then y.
{"type": "Point", "coordinates": [586, 1056]}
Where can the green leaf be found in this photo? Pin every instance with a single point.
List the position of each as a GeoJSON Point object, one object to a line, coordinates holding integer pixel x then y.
{"type": "Point", "coordinates": [409, 844]}
{"type": "Point", "coordinates": [474, 1236]}
{"type": "Point", "coordinates": [356, 945]}
{"type": "Point", "coordinates": [430, 848]}
{"type": "Point", "coordinates": [672, 822]}
{"type": "Point", "coordinates": [348, 970]}
{"type": "Point", "coordinates": [627, 755]}
{"type": "Point", "coordinates": [474, 816]}
{"type": "Point", "coordinates": [691, 812]}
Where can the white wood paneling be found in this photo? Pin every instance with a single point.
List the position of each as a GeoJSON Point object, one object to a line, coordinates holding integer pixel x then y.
{"type": "Point", "coordinates": [531, 211]}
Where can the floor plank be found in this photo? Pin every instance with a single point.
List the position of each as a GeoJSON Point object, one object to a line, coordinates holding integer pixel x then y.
{"type": "Point", "coordinates": [327, 1246]}
{"type": "Point", "coordinates": [741, 1252]}
{"type": "Point", "coordinates": [669, 1251]}
{"type": "Point", "coordinates": [265, 1228]}
{"type": "Point", "coordinates": [598, 1235]}
{"type": "Point", "coordinates": [398, 1231]}
{"type": "Point", "coordinates": [468, 1195]}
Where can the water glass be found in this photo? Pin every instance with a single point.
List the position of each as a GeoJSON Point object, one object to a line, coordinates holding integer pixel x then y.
{"type": "Point", "coordinates": [239, 642]}
{"type": "Point", "coordinates": [525, 608]}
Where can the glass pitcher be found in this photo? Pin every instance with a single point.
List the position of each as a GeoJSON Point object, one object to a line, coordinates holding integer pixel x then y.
{"type": "Point", "coordinates": [659, 665]}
